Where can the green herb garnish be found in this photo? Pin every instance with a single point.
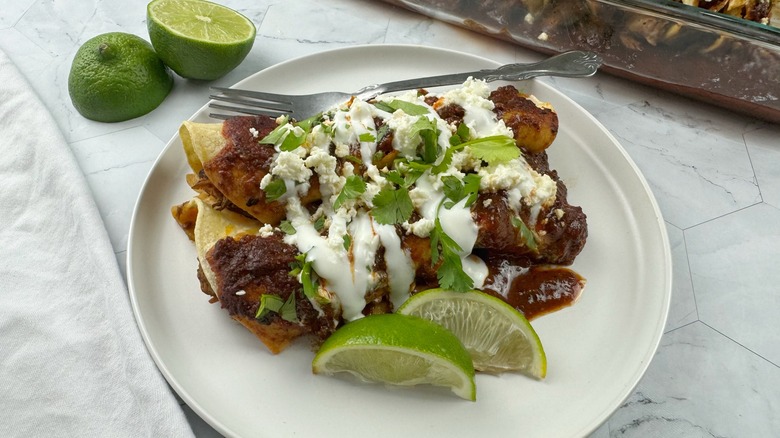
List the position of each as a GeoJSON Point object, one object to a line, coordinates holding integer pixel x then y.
{"type": "Point", "coordinates": [353, 159]}
{"type": "Point", "coordinates": [461, 135]}
{"type": "Point", "coordinates": [494, 149]}
{"type": "Point", "coordinates": [392, 206]}
{"type": "Point", "coordinates": [273, 303]}
{"type": "Point", "coordinates": [319, 224]}
{"type": "Point", "coordinates": [287, 227]}
{"type": "Point", "coordinates": [450, 273]}
{"type": "Point", "coordinates": [277, 134]}
{"type": "Point", "coordinates": [367, 137]}
{"type": "Point", "coordinates": [456, 190]}
{"type": "Point", "coordinates": [525, 233]}
{"type": "Point", "coordinates": [308, 278]}
{"type": "Point", "coordinates": [409, 108]}
{"type": "Point", "coordinates": [275, 189]}
{"type": "Point", "coordinates": [347, 241]}
{"type": "Point", "coordinates": [353, 188]}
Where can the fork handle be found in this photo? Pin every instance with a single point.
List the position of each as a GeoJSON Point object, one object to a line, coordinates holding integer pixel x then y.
{"type": "Point", "coordinates": [569, 64]}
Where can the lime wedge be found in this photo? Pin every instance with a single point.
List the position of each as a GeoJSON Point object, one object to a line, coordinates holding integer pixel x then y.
{"type": "Point", "coordinates": [199, 39]}
{"type": "Point", "coordinates": [497, 336]}
{"type": "Point", "coordinates": [398, 350]}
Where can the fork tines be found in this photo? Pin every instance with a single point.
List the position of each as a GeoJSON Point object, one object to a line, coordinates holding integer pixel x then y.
{"type": "Point", "coordinates": [249, 102]}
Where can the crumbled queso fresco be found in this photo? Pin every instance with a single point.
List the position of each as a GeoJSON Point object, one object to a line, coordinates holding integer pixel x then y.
{"type": "Point", "coordinates": [428, 187]}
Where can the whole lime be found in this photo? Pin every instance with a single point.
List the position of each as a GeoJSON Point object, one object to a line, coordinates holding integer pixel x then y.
{"type": "Point", "coordinates": [117, 76]}
{"type": "Point", "coordinates": [198, 39]}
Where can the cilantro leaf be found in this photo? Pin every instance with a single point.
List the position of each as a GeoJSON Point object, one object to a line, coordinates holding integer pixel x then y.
{"type": "Point", "coordinates": [276, 135]}
{"type": "Point", "coordinates": [311, 122]}
{"type": "Point", "coordinates": [525, 233]}
{"type": "Point", "coordinates": [308, 278]}
{"type": "Point", "coordinates": [445, 162]}
{"type": "Point", "coordinates": [286, 137]}
{"type": "Point", "coordinates": [450, 272]}
{"type": "Point", "coordinates": [287, 227]}
{"type": "Point", "coordinates": [319, 224]}
{"type": "Point", "coordinates": [429, 134]}
{"type": "Point", "coordinates": [452, 276]}
{"type": "Point", "coordinates": [353, 188]}
{"type": "Point", "coordinates": [275, 189]}
{"type": "Point", "coordinates": [353, 159]}
{"type": "Point", "coordinates": [273, 303]}
{"type": "Point", "coordinates": [409, 108]}
{"type": "Point", "coordinates": [347, 241]}
{"type": "Point", "coordinates": [311, 281]}
{"type": "Point", "coordinates": [392, 206]}
{"type": "Point", "coordinates": [493, 149]}
{"type": "Point", "coordinates": [462, 134]}
{"type": "Point", "coordinates": [406, 179]}
{"type": "Point", "coordinates": [456, 190]}
{"type": "Point", "coordinates": [367, 137]}
{"type": "Point", "coordinates": [292, 140]}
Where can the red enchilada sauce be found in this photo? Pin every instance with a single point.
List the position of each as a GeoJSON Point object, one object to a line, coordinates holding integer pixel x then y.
{"type": "Point", "coordinates": [534, 290]}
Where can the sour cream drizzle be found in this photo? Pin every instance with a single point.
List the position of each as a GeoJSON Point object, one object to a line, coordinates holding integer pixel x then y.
{"type": "Point", "coordinates": [348, 271]}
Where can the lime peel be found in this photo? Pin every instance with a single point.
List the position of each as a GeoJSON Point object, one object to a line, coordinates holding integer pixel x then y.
{"type": "Point", "coordinates": [498, 337]}
{"type": "Point", "coordinates": [117, 76]}
{"type": "Point", "coordinates": [199, 39]}
{"type": "Point", "coordinates": [398, 350]}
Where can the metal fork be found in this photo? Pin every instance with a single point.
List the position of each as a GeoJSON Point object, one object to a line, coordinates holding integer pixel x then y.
{"type": "Point", "coordinates": [299, 107]}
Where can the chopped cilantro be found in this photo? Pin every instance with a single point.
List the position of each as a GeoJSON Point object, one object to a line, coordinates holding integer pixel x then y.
{"type": "Point", "coordinates": [525, 233]}
{"type": "Point", "coordinates": [284, 136]}
{"type": "Point", "coordinates": [392, 206]}
{"type": "Point", "coordinates": [382, 132]}
{"type": "Point", "coordinates": [353, 159]}
{"type": "Point", "coordinates": [319, 224]}
{"type": "Point", "coordinates": [308, 278]}
{"type": "Point", "coordinates": [311, 122]}
{"type": "Point", "coordinates": [292, 141]}
{"type": "Point", "coordinates": [276, 135]}
{"type": "Point", "coordinates": [494, 149]}
{"type": "Point", "coordinates": [275, 189]}
{"type": "Point", "coordinates": [406, 179]}
{"type": "Point", "coordinates": [445, 162]}
{"type": "Point", "coordinates": [353, 188]}
{"type": "Point", "coordinates": [409, 108]}
{"type": "Point", "coordinates": [347, 241]}
{"type": "Point", "coordinates": [429, 134]}
{"type": "Point", "coordinates": [461, 135]}
{"type": "Point", "coordinates": [287, 227]}
{"type": "Point", "coordinates": [367, 137]}
{"type": "Point", "coordinates": [456, 190]}
{"type": "Point", "coordinates": [310, 281]}
{"type": "Point", "coordinates": [450, 273]}
{"type": "Point", "coordinates": [273, 303]}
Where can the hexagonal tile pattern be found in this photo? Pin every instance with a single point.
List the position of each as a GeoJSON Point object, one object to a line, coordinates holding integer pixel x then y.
{"type": "Point", "coordinates": [678, 160]}
{"type": "Point", "coordinates": [682, 308]}
{"type": "Point", "coordinates": [13, 12]}
{"type": "Point", "coordinates": [114, 177]}
{"type": "Point", "coordinates": [735, 277]}
{"type": "Point", "coordinates": [683, 393]}
{"type": "Point", "coordinates": [764, 148]}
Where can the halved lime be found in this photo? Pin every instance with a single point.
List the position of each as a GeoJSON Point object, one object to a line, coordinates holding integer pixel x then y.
{"type": "Point", "coordinates": [116, 76]}
{"type": "Point", "coordinates": [398, 350]}
{"type": "Point", "coordinates": [198, 39]}
{"type": "Point", "coordinates": [497, 336]}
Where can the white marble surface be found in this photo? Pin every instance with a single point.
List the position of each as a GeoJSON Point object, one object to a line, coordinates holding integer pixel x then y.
{"type": "Point", "coordinates": [715, 175]}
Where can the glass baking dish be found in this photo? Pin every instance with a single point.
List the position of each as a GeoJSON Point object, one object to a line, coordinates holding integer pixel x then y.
{"type": "Point", "coordinates": [709, 56]}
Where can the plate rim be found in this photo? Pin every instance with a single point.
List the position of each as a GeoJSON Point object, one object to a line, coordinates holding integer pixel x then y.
{"type": "Point", "coordinates": [227, 431]}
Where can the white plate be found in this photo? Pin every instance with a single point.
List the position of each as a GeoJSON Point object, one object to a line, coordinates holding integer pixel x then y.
{"type": "Point", "coordinates": [597, 350]}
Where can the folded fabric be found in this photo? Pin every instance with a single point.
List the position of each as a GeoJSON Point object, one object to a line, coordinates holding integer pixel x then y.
{"type": "Point", "coordinates": [72, 361]}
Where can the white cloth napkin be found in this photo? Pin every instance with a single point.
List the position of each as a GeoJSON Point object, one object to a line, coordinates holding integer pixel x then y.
{"type": "Point", "coordinates": [72, 361]}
